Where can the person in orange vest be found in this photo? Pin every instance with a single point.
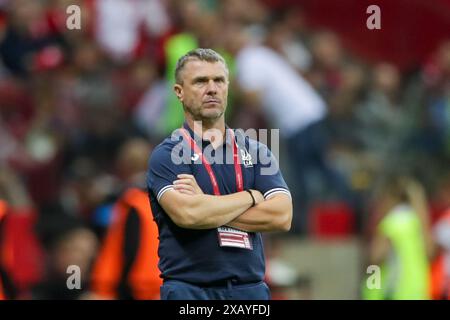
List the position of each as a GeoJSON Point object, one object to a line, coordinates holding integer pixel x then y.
{"type": "Point", "coordinates": [2, 295]}
{"type": "Point", "coordinates": [440, 270]}
{"type": "Point", "coordinates": [3, 208]}
{"type": "Point", "coordinates": [127, 266]}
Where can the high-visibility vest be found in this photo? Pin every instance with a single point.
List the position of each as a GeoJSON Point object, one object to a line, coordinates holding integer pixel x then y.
{"type": "Point", "coordinates": [2, 296]}
{"type": "Point", "coordinates": [440, 270]}
{"type": "Point", "coordinates": [143, 278]}
{"type": "Point", "coordinates": [440, 278]}
{"type": "Point", "coordinates": [3, 209]}
{"type": "Point", "coordinates": [405, 273]}
{"type": "Point", "coordinates": [175, 47]}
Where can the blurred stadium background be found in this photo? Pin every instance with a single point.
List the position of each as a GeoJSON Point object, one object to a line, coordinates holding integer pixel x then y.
{"type": "Point", "coordinates": [80, 109]}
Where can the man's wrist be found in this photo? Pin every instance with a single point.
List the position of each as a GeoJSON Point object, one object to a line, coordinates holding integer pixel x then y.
{"type": "Point", "coordinates": [253, 198]}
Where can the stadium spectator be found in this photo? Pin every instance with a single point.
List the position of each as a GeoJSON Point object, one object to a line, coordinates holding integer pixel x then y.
{"type": "Point", "coordinates": [127, 265]}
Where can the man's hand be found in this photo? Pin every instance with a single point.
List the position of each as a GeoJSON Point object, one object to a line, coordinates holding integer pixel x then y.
{"type": "Point", "coordinates": [257, 195]}
{"type": "Point", "coordinates": [273, 214]}
{"type": "Point", "coordinates": [187, 184]}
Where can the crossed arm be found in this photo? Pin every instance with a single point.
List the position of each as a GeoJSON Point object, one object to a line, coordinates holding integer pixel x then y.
{"type": "Point", "coordinates": [188, 207]}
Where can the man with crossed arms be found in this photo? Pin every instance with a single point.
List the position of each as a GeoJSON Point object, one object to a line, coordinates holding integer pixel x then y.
{"type": "Point", "coordinates": [209, 214]}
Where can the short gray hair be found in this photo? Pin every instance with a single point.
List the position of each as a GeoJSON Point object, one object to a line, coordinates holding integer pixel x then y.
{"type": "Point", "coordinates": [201, 54]}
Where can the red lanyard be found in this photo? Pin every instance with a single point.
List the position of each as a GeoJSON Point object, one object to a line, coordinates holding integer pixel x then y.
{"type": "Point", "coordinates": [237, 166]}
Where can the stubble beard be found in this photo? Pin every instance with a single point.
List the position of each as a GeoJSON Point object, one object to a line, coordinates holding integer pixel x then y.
{"type": "Point", "coordinates": [206, 119]}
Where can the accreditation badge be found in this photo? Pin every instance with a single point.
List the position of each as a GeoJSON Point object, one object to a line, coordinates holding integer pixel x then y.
{"type": "Point", "coordinates": [230, 237]}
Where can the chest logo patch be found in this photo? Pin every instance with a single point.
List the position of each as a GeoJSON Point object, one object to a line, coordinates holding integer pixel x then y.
{"type": "Point", "coordinates": [246, 158]}
{"type": "Point", "coordinates": [195, 157]}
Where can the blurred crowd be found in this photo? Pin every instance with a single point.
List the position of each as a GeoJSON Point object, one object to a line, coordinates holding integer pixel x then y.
{"type": "Point", "coordinates": [81, 109]}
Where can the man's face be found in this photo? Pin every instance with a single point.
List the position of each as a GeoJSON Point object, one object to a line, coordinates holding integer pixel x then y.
{"type": "Point", "coordinates": [204, 89]}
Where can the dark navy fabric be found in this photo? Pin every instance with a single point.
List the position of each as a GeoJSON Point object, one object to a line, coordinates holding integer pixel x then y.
{"type": "Point", "coordinates": [178, 290]}
{"type": "Point", "coordinates": [195, 255]}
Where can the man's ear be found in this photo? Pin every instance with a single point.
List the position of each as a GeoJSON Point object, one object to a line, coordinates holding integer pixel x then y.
{"type": "Point", "coordinates": [178, 91]}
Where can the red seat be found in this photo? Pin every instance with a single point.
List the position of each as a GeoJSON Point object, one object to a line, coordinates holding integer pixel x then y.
{"type": "Point", "coordinates": [331, 220]}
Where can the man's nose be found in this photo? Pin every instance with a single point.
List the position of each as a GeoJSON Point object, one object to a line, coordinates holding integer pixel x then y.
{"type": "Point", "coordinates": [212, 87]}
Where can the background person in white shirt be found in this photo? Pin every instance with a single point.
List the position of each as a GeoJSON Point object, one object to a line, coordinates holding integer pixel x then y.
{"type": "Point", "coordinates": [289, 103]}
